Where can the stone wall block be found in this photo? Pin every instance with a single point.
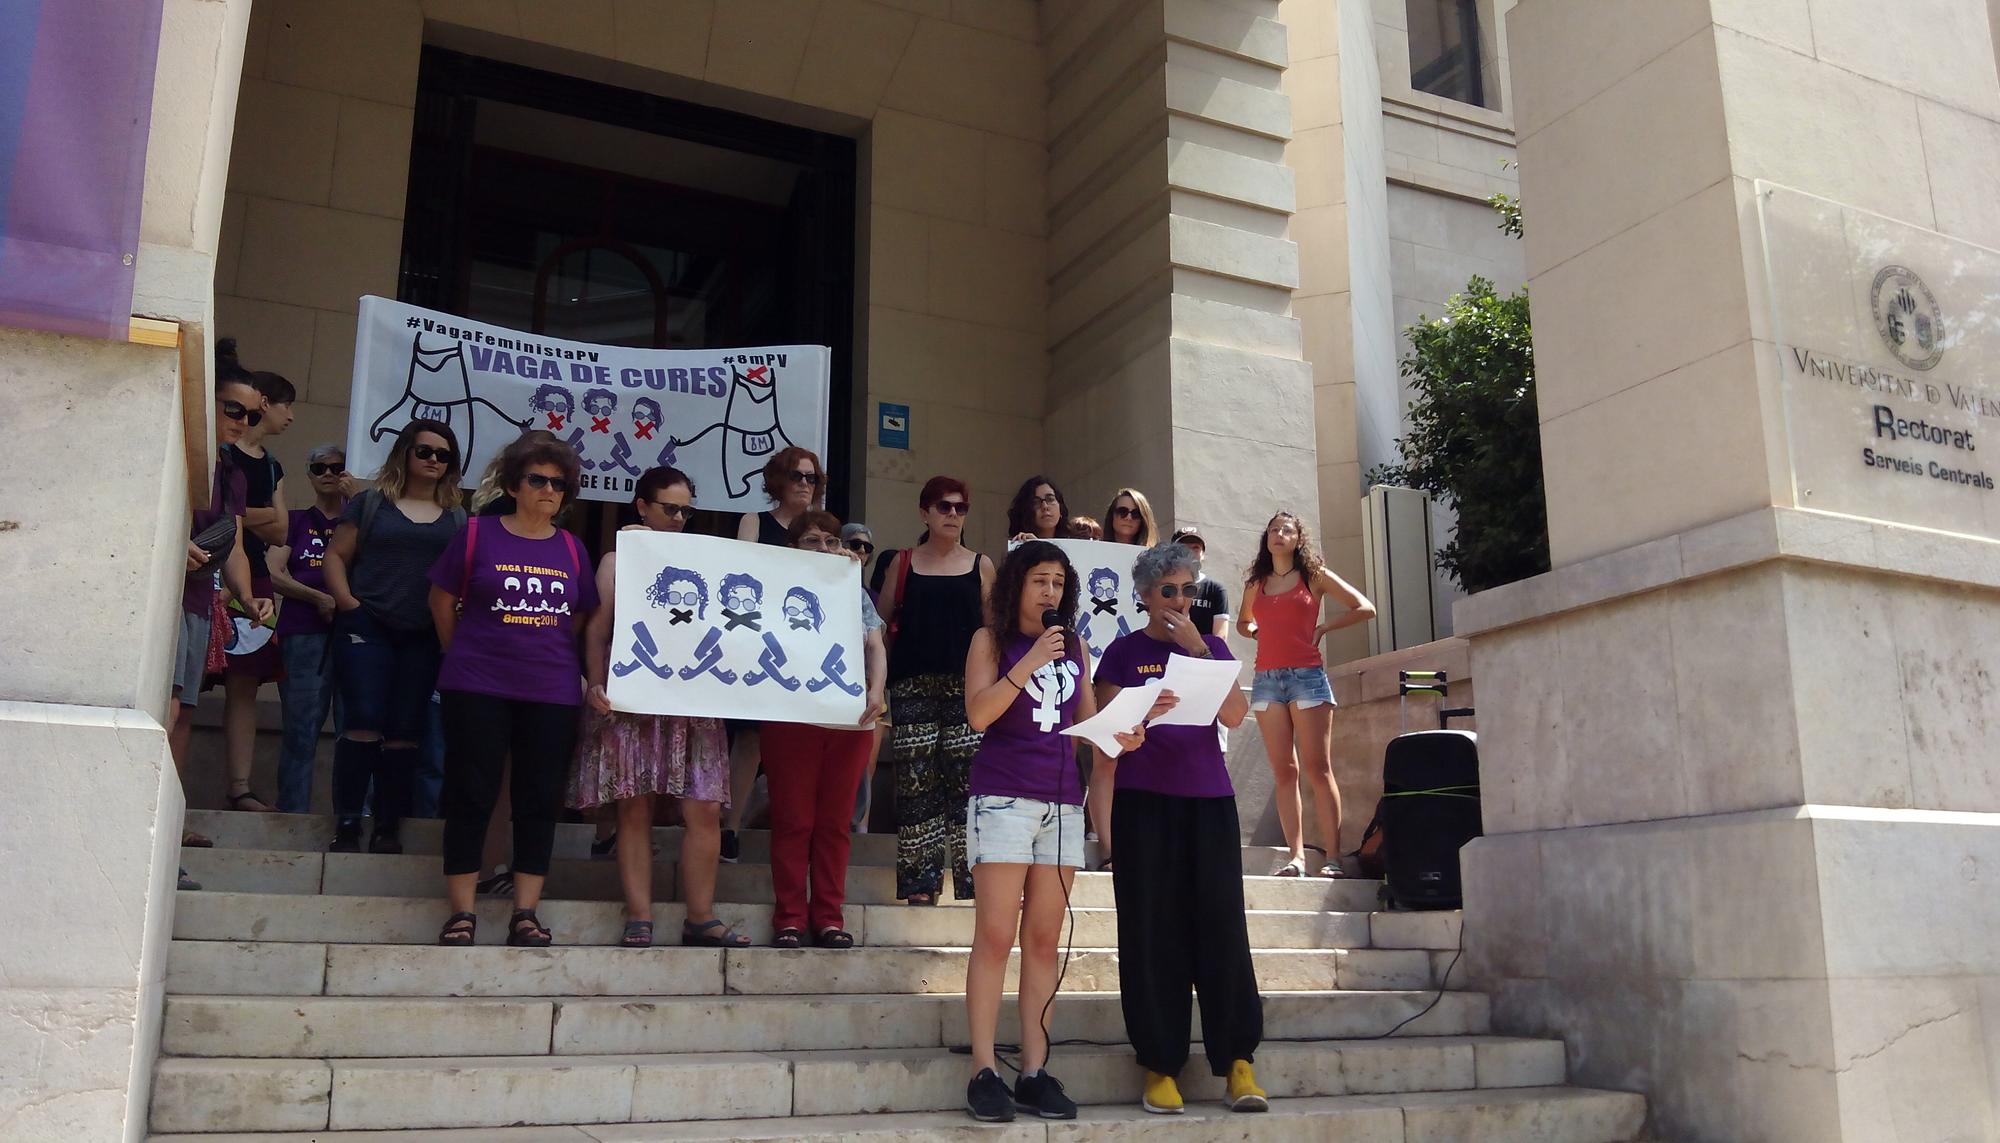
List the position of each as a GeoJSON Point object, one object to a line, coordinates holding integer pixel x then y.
{"type": "Point", "coordinates": [367, 48]}
{"type": "Point", "coordinates": [854, 52]}
{"type": "Point", "coordinates": [371, 169]}
{"type": "Point", "coordinates": [979, 79]}
{"type": "Point", "coordinates": [285, 136]}
{"type": "Point", "coordinates": [759, 47]}
{"type": "Point", "coordinates": [316, 257]}
{"type": "Point", "coordinates": [666, 35]}
{"type": "Point", "coordinates": [1228, 102]}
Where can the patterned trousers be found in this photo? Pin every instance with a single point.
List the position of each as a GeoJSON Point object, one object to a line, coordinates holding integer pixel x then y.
{"type": "Point", "coordinates": [932, 747]}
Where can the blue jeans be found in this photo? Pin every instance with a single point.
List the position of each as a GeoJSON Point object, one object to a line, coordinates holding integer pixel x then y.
{"type": "Point", "coordinates": [428, 788]}
{"type": "Point", "coordinates": [305, 694]}
{"type": "Point", "coordinates": [386, 677]}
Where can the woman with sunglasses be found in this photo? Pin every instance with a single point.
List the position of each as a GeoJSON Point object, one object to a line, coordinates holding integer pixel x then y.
{"type": "Point", "coordinates": [1179, 891]}
{"type": "Point", "coordinates": [1038, 511]}
{"type": "Point", "coordinates": [511, 597]}
{"type": "Point", "coordinates": [628, 761]}
{"type": "Point", "coordinates": [386, 642]}
{"type": "Point", "coordinates": [794, 483]}
{"type": "Point", "coordinates": [1129, 520]}
{"type": "Point", "coordinates": [305, 624]}
{"type": "Point", "coordinates": [237, 407]}
{"type": "Point", "coordinates": [1289, 587]}
{"type": "Point", "coordinates": [265, 522]}
{"type": "Point", "coordinates": [934, 602]}
{"type": "Point", "coordinates": [813, 772]}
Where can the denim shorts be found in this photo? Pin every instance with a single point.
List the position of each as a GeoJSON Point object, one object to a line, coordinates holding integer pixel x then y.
{"type": "Point", "coordinates": [1300, 686]}
{"type": "Point", "coordinates": [1022, 831]}
{"type": "Point", "coordinates": [191, 656]}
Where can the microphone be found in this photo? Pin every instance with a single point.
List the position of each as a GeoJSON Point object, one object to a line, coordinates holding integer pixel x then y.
{"type": "Point", "coordinates": [1051, 618]}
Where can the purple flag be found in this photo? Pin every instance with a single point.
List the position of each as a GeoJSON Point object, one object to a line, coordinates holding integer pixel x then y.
{"type": "Point", "coordinates": [76, 100]}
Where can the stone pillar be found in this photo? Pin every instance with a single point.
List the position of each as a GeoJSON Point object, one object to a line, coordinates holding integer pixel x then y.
{"type": "Point", "coordinates": [1176, 363]}
{"type": "Point", "coordinates": [93, 525]}
{"type": "Point", "coordinates": [1738, 747]}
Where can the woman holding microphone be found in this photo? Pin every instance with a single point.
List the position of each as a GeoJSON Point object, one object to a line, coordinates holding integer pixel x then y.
{"type": "Point", "coordinates": [1024, 684]}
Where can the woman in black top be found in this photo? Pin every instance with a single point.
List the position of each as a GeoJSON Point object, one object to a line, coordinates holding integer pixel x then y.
{"type": "Point", "coordinates": [1038, 511]}
{"type": "Point", "coordinates": [794, 483]}
{"type": "Point", "coordinates": [934, 600]}
{"type": "Point", "coordinates": [265, 523]}
{"type": "Point", "coordinates": [385, 641]}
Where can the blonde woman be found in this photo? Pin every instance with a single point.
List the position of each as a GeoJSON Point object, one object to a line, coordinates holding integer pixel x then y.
{"type": "Point", "coordinates": [1288, 590]}
{"type": "Point", "coordinates": [385, 641]}
{"type": "Point", "coordinates": [1129, 520]}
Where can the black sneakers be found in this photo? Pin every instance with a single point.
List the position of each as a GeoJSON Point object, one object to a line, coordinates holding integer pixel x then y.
{"type": "Point", "coordinates": [988, 1100]}
{"type": "Point", "coordinates": [730, 850]}
{"type": "Point", "coordinates": [1042, 1094]}
{"type": "Point", "coordinates": [346, 836]}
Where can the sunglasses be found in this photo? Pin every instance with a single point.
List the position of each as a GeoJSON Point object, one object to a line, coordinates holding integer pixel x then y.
{"type": "Point", "coordinates": [862, 546]}
{"type": "Point", "coordinates": [951, 507]}
{"type": "Point", "coordinates": [325, 468]}
{"type": "Point", "coordinates": [537, 481]}
{"type": "Point", "coordinates": [237, 412]}
{"type": "Point", "coordinates": [1173, 591]}
{"type": "Point", "coordinates": [426, 452]}
{"type": "Point", "coordinates": [1124, 513]}
{"type": "Point", "coordinates": [809, 479]}
{"type": "Point", "coordinates": [674, 511]}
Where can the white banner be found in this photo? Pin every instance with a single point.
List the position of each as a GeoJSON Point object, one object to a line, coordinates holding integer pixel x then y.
{"type": "Point", "coordinates": [716, 414]}
{"type": "Point", "coordinates": [705, 626]}
{"type": "Point", "coordinates": [1107, 596]}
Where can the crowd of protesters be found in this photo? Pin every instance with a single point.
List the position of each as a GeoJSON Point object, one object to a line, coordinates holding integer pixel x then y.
{"type": "Point", "coordinates": [379, 607]}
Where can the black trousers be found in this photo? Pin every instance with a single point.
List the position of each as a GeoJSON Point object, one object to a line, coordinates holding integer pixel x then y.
{"type": "Point", "coordinates": [1179, 885]}
{"type": "Point", "coordinates": [481, 733]}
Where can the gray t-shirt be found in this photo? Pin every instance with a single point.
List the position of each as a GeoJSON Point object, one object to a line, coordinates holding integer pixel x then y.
{"type": "Point", "coordinates": [392, 561]}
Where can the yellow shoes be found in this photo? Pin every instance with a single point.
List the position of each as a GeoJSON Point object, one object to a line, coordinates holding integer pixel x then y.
{"type": "Point", "coordinates": [1244, 1094]}
{"type": "Point", "coordinates": [1163, 1096]}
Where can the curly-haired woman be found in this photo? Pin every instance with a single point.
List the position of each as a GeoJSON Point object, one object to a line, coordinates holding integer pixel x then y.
{"type": "Point", "coordinates": [1289, 587]}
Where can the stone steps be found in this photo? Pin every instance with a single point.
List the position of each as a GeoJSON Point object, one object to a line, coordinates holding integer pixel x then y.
{"type": "Point", "coordinates": [213, 916]}
{"type": "Point", "coordinates": [417, 875]}
{"type": "Point", "coordinates": [1494, 1115]}
{"type": "Point", "coordinates": [314, 832]}
{"type": "Point", "coordinates": [308, 968]}
{"type": "Point", "coordinates": [360, 1027]}
{"type": "Point", "coordinates": [208, 1095]}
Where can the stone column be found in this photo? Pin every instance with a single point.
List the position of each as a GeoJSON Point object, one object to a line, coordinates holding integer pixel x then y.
{"type": "Point", "coordinates": [1738, 747]}
{"type": "Point", "coordinates": [1176, 364]}
{"type": "Point", "coordinates": [93, 525]}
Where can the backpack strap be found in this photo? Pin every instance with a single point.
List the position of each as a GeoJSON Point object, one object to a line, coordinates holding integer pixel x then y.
{"type": "Point", "coordinates": [471, 542]}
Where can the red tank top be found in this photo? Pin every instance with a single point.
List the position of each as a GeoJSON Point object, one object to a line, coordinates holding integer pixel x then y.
{"type": "Point", "coordinates": [1285, 625]}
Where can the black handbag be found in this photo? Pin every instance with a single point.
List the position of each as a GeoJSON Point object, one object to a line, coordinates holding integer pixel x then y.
{"type": "Point", "coordinates": [217, 539]}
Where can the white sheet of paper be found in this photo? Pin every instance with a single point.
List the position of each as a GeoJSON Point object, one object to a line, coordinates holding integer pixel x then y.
{"type": "Point", "coordinates": [1126, 710]}
{"type": "Point", "coordinates": [1201, 685]}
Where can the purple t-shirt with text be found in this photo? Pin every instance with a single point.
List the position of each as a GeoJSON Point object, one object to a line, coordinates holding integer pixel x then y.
{"type": "Point", "coordinates": [1024, 754]}
{"type": "Point", "coordinates": [1185, 761]}
{"type": "Point", "coordinates": [522, 606]}
{"type": "Point", "coordinates": [308, 531]}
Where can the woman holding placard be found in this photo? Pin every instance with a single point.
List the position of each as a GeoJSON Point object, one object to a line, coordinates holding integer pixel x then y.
{"type": "Point", "coordinates": [813, 772]}
{"type": "Point", "coordinates": [1038, 511]}
{"type": "Point", "coordinates": [1025, 683]}
{"type": "Point", "coordinates": [1179, 885]}
{"type": "Point", "coordinates": [934, 600]}
{"type": "Point", "coordinates": [1288, 588]}
{"type": "Point", "coordinates": [630, 760]}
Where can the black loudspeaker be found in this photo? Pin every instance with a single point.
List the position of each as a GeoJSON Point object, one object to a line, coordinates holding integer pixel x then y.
{"type": "Point", "coordinates": [1430, 807]}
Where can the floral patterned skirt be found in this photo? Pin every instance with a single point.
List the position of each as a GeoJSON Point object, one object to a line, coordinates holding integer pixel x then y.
{"type": "Point", "coordinates": [623, 755]}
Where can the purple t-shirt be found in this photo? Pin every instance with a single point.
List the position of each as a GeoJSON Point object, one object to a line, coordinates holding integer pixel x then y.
{"type": "Point", "coordinates": [226, 498]}
{"type": "Point", "coordinates": [1185, 761]}
{"type": "Point", "coordinates": [308, 531]}
{"type": "Point", "coordinates": [522, 607]}
{"type": "Point", "coordinates": [1024, 754]}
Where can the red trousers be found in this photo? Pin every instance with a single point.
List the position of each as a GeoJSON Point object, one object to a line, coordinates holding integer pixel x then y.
{"type": "Point", "coordinates": [812, 773]}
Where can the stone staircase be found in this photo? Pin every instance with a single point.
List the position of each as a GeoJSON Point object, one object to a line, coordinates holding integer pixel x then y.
{"type": "Point", "coordinates": [307, 1000]}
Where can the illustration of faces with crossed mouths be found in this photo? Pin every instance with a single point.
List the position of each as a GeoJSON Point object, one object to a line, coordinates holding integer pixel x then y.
{"type": "Point", "coordinates": [1104, 591]}
{"type": "Point", "coordinates": [555, 403]}
{"type": "Point", "coordinates": [802, 610]}
{"type": "Point", "coordinates": [600, 402]}
{"type": "Point", "coordinates": [645, 410]}
{"type": "Point", "coordinates": [741, 592]}
{"type": "Point", "coordinates": [682, 592]}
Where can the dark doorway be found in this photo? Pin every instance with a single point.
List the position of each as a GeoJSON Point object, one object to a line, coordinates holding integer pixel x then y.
{"type": "Point", "coordinates": [563, 206]}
